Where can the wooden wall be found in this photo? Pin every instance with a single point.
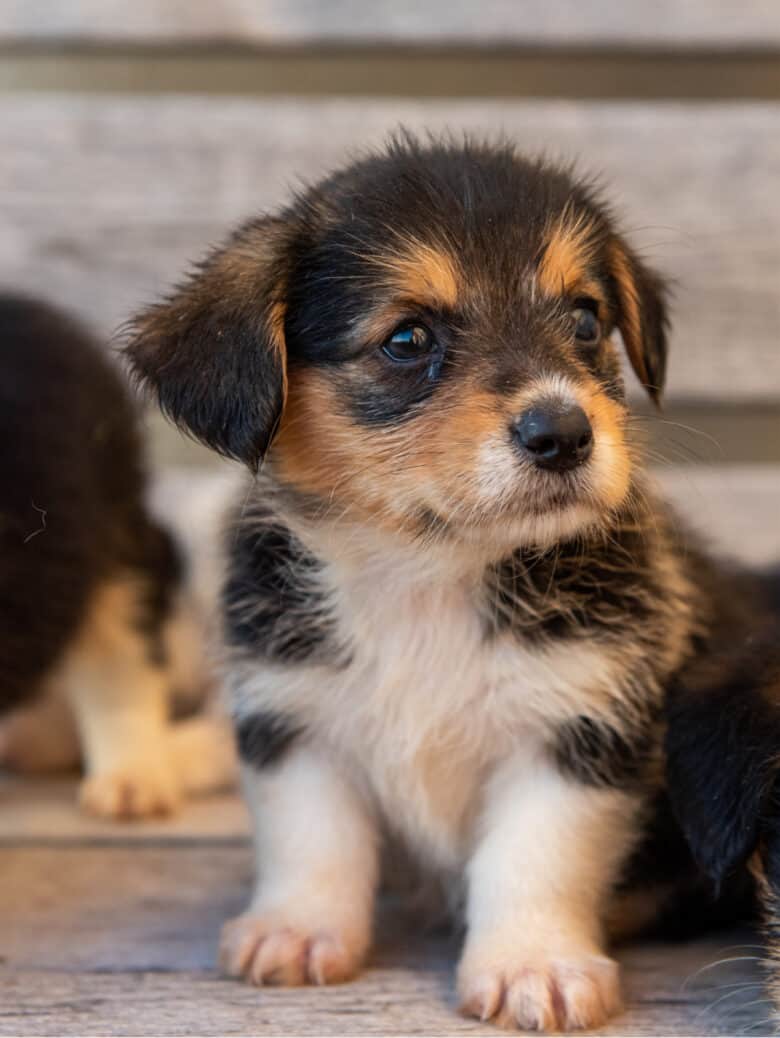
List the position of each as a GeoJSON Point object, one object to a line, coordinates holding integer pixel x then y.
{"type": "Point", "coordinates": [133, 135]}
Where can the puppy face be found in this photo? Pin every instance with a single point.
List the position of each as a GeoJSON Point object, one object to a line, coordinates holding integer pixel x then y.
{"type": "Point", "coordinates": [425, 341]}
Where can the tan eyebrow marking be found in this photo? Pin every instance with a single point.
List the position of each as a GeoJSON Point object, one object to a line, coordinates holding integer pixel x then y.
{"type": "Point", "coordinates": [566, 257]}
{"type": "Point", "coordinates": [421, 272]}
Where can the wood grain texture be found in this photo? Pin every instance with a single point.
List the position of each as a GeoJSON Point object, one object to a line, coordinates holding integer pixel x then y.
{"type": "Point", "coordinates": [633, 23]}
{"type": "Point", "coordinates": [116, 941]}
{"type": "Point", "coordinates": [384, 1001]}
{"type": "Point", "coordinates": [105, 200]}
{"type": "Point", "coordinates": [45, 811]}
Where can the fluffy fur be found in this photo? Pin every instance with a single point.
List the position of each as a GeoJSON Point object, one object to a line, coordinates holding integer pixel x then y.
{"type": "Point", "coordinates": [433, 635]}
{"type": "Point", "coordinates": [87, 577]}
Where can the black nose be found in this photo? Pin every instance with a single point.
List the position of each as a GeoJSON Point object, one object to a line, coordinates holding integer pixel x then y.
{"type": "Point", "coordinates": [554, 437]}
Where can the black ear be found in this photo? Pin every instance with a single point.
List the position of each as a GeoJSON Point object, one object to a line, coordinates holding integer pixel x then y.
{"type": "Point", "coordinates": [641, 316]}
{"type": "Point", "coordinates": [723, 760]}
{"type": "Point", "coordinates": [213, 353]}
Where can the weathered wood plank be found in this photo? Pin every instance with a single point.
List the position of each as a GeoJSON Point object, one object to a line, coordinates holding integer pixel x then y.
{"type": "Point", "coordinates": [389, 1001]}
{"type": "Point", "coordinates": [658, 23]}
{"type": "Point", "coordinates": [104, 201]}
{"type": "Point", "coordinates": [123, 941]}
{"type": "Point", "coordinates": [46, 811]}
{"type": "Point", "coordinates": [132, 908]}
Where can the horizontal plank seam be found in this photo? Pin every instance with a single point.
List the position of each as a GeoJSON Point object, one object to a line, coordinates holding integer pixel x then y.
{"type": "Point", "coordinates": [455, 47]}
{"type": "Point", "coordinates": [171, 842]}
{"type": "Point", "coordinates": [425, 72]}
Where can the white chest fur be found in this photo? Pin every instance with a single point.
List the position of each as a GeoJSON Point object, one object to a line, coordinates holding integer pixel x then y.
{"type": "Point", "coordinates": [428, 705]}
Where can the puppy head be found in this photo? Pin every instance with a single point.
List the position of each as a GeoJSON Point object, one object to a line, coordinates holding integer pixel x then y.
{"type": "Point", "coordinates": [424, 339]}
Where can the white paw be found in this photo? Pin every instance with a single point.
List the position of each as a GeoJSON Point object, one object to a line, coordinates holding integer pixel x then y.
{"type": "Point", "coordinates": [263, 949]}
{"type": "Point", "coordinates": [130, 792]}
{"type": "Point", "coordinates": [539, 992]}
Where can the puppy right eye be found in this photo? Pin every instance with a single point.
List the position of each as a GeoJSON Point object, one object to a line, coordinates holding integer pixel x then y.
{"type": "Point", "coordinates": [587, 327]}
{"type": "Point", "coordinates": [408, 344]}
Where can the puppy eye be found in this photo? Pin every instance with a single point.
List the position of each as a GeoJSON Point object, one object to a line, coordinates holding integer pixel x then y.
{"type": "Point", "coordinates": [406, 345]}
{"type": "Point", "coordinates": [587, 327]}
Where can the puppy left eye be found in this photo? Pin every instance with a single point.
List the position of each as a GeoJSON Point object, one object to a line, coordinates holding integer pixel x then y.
{"type": "Point", "coordinates": [587, 327]}
{"type": "Point", "coordinates": [410, 344]}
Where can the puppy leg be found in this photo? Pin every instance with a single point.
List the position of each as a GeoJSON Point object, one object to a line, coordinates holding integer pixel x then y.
{"type": "Point", "coordinates": [311, 914]}
{"type": "Point", "coordinates": [119, 694]}
{"type": "Point", "coordinates": [765, 869]}
{"type": "Point", "coordinates": [548, 852]}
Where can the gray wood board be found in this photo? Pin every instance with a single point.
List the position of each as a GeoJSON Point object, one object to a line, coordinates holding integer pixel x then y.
{"type": "Point", "coordinates": [391, 1000]}
{"type": "Point", "coordinates": [44, 811]}
{"type": "Point", "coordinates": [532, 23]}
{"type": "Point", "coordinates": [116, 940]}
{"type": "Point", "coordinates": [104, 201]}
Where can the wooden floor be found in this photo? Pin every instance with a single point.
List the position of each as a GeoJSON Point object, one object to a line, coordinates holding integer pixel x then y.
{"type": "Point", "coordinates": [112, 930]}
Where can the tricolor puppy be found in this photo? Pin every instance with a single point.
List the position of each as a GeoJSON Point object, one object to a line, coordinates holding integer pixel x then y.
{"type": "Point", "coordinates": [452, 606]}
{"type": "Point", "coordinates": [88, 579]}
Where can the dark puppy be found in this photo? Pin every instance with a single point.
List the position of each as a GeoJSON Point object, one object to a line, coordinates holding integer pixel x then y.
{"type": "Point", "coordinates": [85, 575]}
{"type": "Point", "coordinates": [453, 606]}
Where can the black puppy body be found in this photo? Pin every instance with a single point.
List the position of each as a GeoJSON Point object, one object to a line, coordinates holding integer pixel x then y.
{"type": "Point", "coordinates": [86, 576]}
{"type": "Point", "coordinates": [453, 606]}
{"type": "Point", "coordinates": [723, 747]}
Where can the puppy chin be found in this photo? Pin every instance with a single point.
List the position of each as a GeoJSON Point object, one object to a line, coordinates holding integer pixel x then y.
{"type": "Point", "coordinates": [541, 515]}
{"type": "Point", "coordinates": [528, 508]}
{"type": "Point", "coordinates": [544, 529]}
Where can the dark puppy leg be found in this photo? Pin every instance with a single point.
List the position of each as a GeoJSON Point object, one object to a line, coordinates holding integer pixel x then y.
{"type": "Point", "coordinates": [723, 747]}
{"type": "Point", "coordinates": [765, 868]}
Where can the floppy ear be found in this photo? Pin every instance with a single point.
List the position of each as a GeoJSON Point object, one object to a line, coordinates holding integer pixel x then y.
{"type": "Point", "coordinates": [641, 316]}
{"type": "Point", "coordinates": [213, 353]}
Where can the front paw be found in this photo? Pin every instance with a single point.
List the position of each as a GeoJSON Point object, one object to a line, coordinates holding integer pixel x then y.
{"type": "Point", "coordinates": [270, 948]}
{"type": "Point", "coordinates": [132, 791]}
{"type": "Point", "coordinates": [559, 989]}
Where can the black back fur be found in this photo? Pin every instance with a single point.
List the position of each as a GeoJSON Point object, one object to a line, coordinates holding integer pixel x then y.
{"type": "Point", "coordinates": [71, 492]}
